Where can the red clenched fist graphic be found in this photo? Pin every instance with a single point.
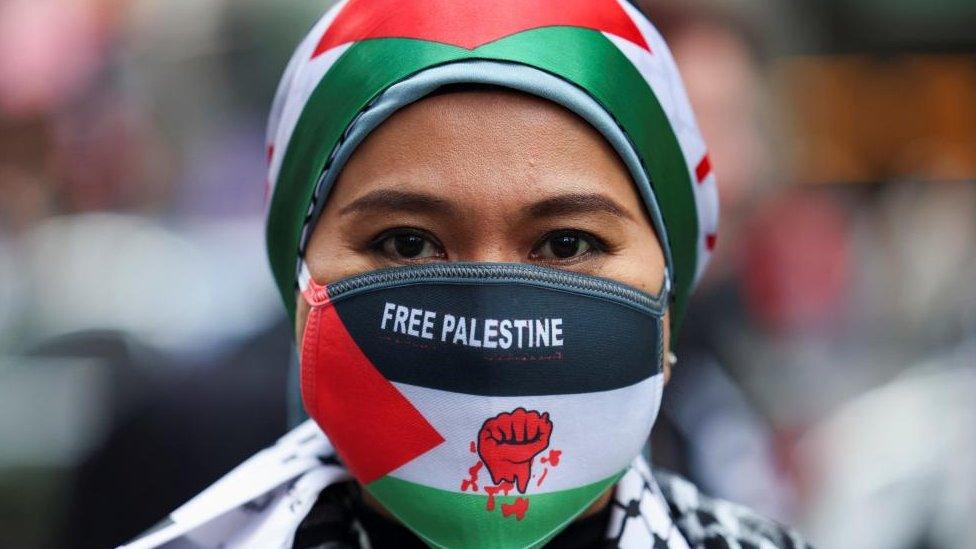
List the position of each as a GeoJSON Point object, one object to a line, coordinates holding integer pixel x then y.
{"type": "Point", "coordinates": [508, 442]}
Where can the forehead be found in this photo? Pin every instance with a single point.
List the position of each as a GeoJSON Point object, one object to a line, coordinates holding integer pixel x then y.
{"type": "Point", "coordinates": [485, 140]}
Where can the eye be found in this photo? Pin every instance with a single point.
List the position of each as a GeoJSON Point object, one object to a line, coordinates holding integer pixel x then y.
{"type": "Point", "coordinates": [563, 245]}
{"type": "Point", "coordinates": [407, 244]}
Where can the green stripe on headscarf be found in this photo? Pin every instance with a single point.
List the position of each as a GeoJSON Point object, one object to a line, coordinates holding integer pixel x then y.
{"type": "Point", "coordinates": [581, 56]}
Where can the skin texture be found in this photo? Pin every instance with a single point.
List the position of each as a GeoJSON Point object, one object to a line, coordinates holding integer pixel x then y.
{"type": "Point", "coordinates": [486, 175]}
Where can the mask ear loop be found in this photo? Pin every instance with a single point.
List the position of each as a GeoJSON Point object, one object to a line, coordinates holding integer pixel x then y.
{"type": "Point", "coordinates": [668, 294]}
{"type": "Point", "coordinates": [670, 357]}
{"type": "Point", "coordinates": [315, 294]}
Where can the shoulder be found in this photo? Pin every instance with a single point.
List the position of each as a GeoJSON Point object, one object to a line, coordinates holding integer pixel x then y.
{"type": "Point", "coordinates": [708, 522]}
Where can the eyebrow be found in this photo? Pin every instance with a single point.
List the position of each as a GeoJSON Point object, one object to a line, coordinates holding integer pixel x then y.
{"type": "Point", "coordinates": [576, 203]}
{"type": "Point", "coordinates": [388, 200]}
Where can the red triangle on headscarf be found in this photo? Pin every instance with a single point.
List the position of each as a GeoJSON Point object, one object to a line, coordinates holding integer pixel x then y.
{"type": "Point", "coordinates": [472, 23]}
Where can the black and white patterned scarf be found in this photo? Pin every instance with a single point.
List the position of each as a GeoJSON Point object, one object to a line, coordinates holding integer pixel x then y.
{"type": "Point", "coordinates": [276, 495]}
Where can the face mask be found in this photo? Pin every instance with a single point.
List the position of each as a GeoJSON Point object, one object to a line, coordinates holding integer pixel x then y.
{"type": "Point", "coordinates": [483, 404]}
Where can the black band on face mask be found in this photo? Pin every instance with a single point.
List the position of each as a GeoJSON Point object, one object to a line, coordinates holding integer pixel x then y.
{"type": "Point", "coordinates": [502, 329]}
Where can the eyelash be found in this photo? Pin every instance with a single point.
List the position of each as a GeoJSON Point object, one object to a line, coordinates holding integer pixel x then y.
{"type": "Point", "coordinates": [376, 243]}
{"type": "Point", "coordinates": [596, 243]}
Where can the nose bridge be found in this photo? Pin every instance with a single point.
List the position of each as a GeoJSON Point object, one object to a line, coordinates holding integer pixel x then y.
{"type": "Point", "coordinates": [489, 244]}
{"type": "Point", "coordinates": [486, 231]}
{"type": "Point", "coordinates": [493, 258]}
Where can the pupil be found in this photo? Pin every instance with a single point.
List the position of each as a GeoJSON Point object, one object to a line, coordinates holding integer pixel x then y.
{"type": "Point", "coordinates": [564, 246]}
{"type": "Point", "coordinates": [408, 245]}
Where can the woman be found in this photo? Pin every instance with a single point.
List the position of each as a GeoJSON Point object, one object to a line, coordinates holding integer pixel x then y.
{"type": "Point", "coordinates": [486, 218]}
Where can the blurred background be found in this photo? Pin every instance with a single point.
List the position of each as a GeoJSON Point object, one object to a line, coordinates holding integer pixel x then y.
{"type": "Point", "coordinates": [826, 373]}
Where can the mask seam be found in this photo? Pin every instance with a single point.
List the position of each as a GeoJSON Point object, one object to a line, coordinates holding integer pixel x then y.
{"type": "Point", "coordinates": [493, 273]}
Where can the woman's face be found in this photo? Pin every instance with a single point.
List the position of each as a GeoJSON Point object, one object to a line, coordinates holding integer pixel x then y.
{"type": "Point", "coordinates": [485, 176]}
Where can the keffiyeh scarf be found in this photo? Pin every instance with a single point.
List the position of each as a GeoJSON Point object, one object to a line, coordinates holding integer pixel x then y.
{"type": "Point", "coordinates": [263, 502]}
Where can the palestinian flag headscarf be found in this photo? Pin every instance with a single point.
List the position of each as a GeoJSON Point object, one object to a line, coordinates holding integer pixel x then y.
{"type": "Point", "coordinates": [605, 48]}
{"type": "Point", "coordinates": [441, 431]}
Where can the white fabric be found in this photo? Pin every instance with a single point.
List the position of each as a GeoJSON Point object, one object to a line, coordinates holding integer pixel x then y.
{"type": "Point", "coordinates": [598, 435]}
{"type": "Point", "coordinates": [661, 73]}
{"type": "Point", "coordinates": [263, 499]}
{"type": "Point", "coordinates": [302, 76]}
{"type": "Point", "coordinates": [262, 502]}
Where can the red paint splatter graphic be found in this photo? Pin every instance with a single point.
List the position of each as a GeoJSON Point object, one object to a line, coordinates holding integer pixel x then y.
{"type": "Point", "coordinates": [472, 479]}
{"type": "Point", "coordinates": [542, 478]}
{"type": "Point", "coordinates": [508, 442]}
{"type": "Point", "coordinates": [504, 487]}
{"type": "Point", "coordinates": [507, 445]}
{"type": "Point", "coordinates": [552, 458]}
{"type": "Point", "coordinates": [518, 508]}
